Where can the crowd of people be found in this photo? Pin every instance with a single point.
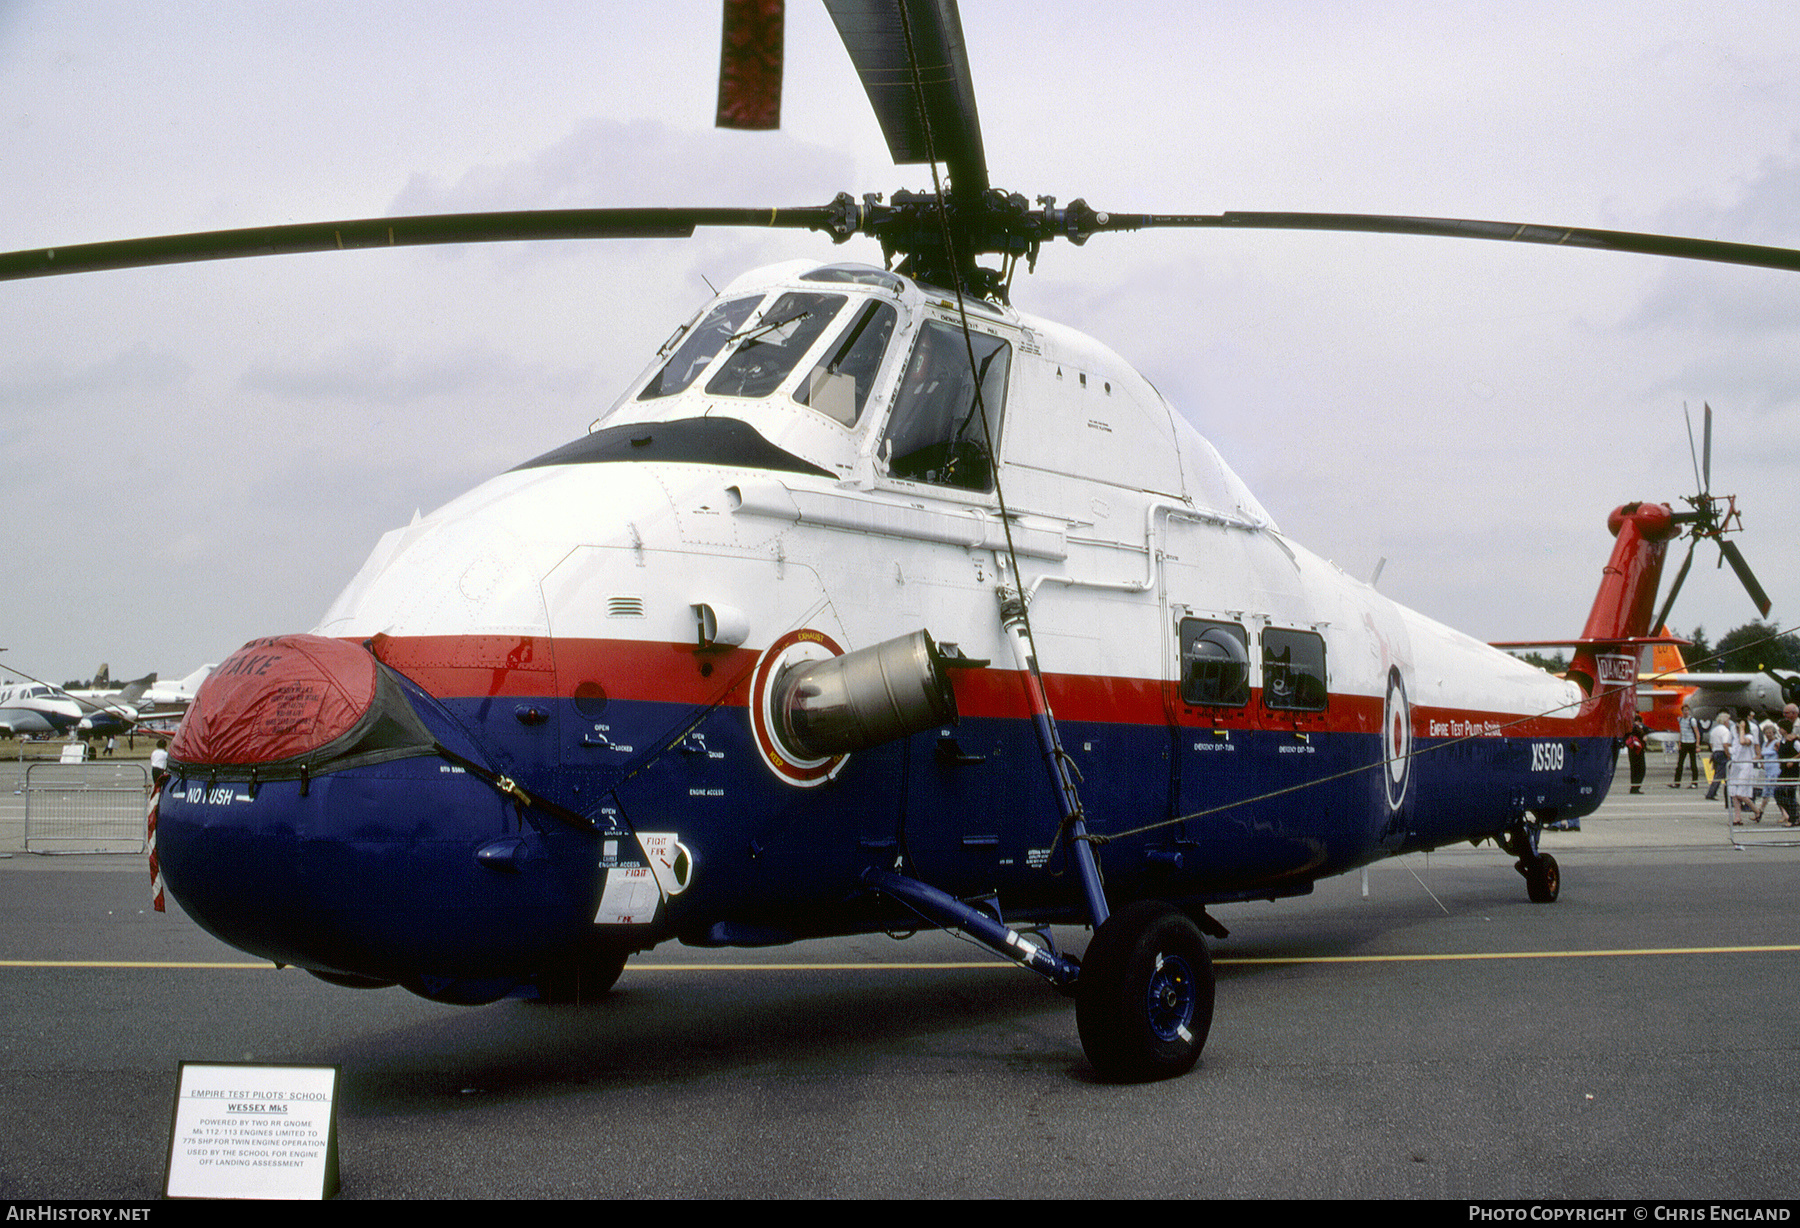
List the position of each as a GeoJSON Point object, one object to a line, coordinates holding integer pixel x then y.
{"type": "Point", "coordinates": [1752, 763]}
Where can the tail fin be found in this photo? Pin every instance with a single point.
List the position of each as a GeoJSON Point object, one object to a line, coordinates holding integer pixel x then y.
{"type": "Point", "coordinates": [1605, 662]}
{"type": "Point", "coordinates": [192, 682]}
{"type": "Point", "coordinates": [136, 688]}
{"type": "Point", "coordinates": [1666, 658]}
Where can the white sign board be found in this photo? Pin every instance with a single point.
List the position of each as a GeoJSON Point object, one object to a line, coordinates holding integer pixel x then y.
{"type": "Point", "coordinates": [253, 1131]}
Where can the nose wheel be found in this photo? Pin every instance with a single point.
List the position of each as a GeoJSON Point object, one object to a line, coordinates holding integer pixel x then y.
{"type": "Point", "coordinates": [1144, 1003]}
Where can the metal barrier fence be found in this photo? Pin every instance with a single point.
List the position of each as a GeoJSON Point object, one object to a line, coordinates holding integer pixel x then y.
{"type": "Point", "coordinates": [86, 807]}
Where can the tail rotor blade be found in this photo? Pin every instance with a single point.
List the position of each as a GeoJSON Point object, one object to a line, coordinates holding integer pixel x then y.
{"type": "Point", "coordinates": [1662, 618]}
{"type": "Point", "coordinates": [1693, 453]}
{"type": "Point", "coordinates": [1736, 559]}
{"type": "Point", "coordinates": [1706, 464]}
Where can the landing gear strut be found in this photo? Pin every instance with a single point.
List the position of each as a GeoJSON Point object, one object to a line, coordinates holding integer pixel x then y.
{"type": "Point", "coordinates": [1543, 881]}
{"type": "Point", "coordinates": [1144, 989]}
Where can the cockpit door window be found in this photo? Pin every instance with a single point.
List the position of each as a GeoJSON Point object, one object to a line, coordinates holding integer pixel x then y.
{"type": "Point", "coordinates": [1293, 670]}
{"type": "Point", "coordinates": [1215, 663]}
{"type": "Point", "coordinates": [839, 385]}
{"type": "Point", "coordinates": [936, 433]}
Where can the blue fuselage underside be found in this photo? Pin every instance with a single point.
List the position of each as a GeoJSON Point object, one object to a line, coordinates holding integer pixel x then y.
{"type": "Point", "coordinates": [375, 870]}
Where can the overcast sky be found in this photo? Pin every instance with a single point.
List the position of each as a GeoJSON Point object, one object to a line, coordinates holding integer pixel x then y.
{"type": "Point", "coordinates": [199, 455]}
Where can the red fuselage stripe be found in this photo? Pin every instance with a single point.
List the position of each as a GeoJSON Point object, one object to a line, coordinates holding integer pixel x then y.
{"type": "Point", "coordinates": [474, 667]}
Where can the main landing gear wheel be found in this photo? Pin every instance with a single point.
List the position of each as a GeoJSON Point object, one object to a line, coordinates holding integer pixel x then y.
{"type": "Point", "coordinates": [1543, 882]}
{"type": "Point", "coordinates": [1144, 1001]}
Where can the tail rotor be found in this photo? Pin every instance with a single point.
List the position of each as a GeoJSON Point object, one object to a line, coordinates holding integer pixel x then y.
{"type": "Point", "coordinates": [1710, 518]}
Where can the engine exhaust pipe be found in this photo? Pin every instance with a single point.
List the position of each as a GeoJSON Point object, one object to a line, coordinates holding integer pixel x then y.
{"type": "Point", "coordinates": [864, 698]}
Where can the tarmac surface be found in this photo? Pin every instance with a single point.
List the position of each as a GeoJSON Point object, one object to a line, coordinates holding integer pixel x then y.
{"type": "Point", "coordinates": [1438, 1037]}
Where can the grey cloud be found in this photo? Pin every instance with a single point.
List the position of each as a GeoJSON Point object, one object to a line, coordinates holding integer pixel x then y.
{"type": "Point", "coordinates": [136, 370]}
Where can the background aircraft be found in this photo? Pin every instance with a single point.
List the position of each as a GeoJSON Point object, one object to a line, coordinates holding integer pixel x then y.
{"type": "Point", "coordinates": [38, 708]}
{"type": "Point", "coordinates": [34, 707]}
{"type": "Point", "coordinates": [1664, 686]}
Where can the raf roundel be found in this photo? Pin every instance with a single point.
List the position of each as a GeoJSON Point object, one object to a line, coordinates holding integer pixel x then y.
{"type": "Point", "coordinates": [1396, 738]}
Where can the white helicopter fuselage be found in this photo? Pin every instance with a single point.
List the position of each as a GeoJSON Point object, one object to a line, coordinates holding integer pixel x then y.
{"type": "Point", "coordinates": [609, 628]}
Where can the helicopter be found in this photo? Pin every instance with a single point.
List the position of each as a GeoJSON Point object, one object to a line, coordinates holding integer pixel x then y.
{"type": "Point", "coordinates": [872, 602]}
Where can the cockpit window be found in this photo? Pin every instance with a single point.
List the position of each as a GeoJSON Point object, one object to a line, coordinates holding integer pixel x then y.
{"type": "Point", "coordinates": [700, 346]}
{"type": "Point", "coordinates": [936, 433]}
{"type": "Point", "coordinates": [773, 345]}
{"type": "Point", "coordinates": [838, 386]}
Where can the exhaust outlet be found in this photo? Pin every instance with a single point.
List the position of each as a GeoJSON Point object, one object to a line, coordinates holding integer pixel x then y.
{"type": "Point", "coordinates": [864, 698]}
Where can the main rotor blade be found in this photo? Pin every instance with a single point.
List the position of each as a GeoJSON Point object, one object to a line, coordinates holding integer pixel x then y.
{"type": "Point", "coordinates": [399, 232]}
{"type": "Point", "coordinates": [1736, 559]}
{"type": "Point", "coordinates": [1464, 228]}
{"type": "Point", "coordinates": [877, 34]}
{"type": "Point", "coordinates": [750, 55]}
{"type": "Point", "coordinates": [1659, 627]}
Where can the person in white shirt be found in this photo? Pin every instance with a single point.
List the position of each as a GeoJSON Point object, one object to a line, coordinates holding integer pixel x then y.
{"type": "Point", "coordinates": [1721, 739]}
{"type": "Point", "coordinates": [1688, 748]}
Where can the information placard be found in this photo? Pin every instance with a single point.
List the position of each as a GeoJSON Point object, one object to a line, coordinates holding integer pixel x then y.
{"type": "Point", "coordinates": [245, 1130]}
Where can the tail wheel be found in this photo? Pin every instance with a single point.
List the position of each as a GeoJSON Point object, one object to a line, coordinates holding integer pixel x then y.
{"type": "Point", "coordinates": [1144, 1002]}
{"type": "Point", "coordinates": [1543, 881]}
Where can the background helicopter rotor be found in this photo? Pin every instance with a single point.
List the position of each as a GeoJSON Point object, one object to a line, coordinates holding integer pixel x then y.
{"type": "Point", "coordinates": [1710, 518]}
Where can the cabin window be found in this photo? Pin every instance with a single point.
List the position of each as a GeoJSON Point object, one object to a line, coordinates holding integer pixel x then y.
{"type": "Point", "coordinates": [937, 432]}
{"type": "Point", "coordinates": [770, 348]}
{"type": "Point", "coordinates": [1293, 670]}
{"type": "Point", "coordinates": [699, 347]}
{"type": "Point", "coordinates": [838, 386]}
{"type": "Point", "coordinates": [1215, 663]}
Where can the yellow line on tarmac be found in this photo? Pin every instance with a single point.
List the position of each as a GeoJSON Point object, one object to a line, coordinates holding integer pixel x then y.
{"type": "Point", "coordinates": [1614, 953]}
{"type": "Point", "coordinates": [1237, 961]}
{"type": "Point", "coordinates": [862, 967]}
{"type": "Point", "coordinates": [122, 963]}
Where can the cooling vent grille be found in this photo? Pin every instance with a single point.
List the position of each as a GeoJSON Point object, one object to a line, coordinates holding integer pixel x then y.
{"type": "Point", "coordinates": [624, 607]}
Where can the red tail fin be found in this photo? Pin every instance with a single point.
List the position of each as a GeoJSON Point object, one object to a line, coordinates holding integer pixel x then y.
{"type": "Point", "coordinates": [1626, 601]}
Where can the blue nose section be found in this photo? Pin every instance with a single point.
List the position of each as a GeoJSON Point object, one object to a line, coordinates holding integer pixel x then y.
{"type": "Point", "coordinates": [324, 812]}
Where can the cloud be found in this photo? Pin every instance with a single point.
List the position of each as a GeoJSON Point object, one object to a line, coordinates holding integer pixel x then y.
{"type": "Point", "coordinates": [369, 372]}
{"type": "Point", "coordinates": [46, 383]}
{"type": "Point", "coordinates": [614, 163]}
{"type": "Point", "coordinates": [1705, 297]}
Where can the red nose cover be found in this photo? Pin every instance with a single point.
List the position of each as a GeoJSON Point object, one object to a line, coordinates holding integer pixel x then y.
{"type": "Point", "coordinates": [277, 699]}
